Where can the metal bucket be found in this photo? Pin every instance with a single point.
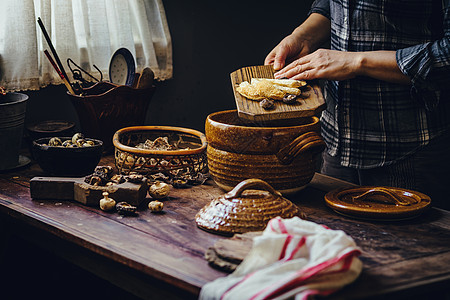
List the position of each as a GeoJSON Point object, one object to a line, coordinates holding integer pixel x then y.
{"type": "Point", "coordinates": [12, 119]}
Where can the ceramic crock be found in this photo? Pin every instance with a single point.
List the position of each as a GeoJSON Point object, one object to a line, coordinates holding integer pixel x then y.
{"type": "Point", "coordinates": [286, 156]}
{"type": "Point", "coordinates": [12, 119]}
{"type": "Point", "coordinates": [248, 207]}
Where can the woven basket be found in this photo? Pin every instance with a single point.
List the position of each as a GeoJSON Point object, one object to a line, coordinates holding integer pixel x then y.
{"type": "Point", "coordinates": [248, 207]}
{"type": "Point", "coordinates": [191, 161]}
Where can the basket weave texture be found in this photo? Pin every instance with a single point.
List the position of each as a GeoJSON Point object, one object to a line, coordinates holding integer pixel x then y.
{"type": "Point", "coordinates": [248, 207]}
{"type": "Point", "coordinates": [189, 161]}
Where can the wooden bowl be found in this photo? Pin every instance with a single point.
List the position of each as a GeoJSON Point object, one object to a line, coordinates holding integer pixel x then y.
{"type": "Point", "coordinates": [64, 161]}
{"type": "Point", "coordinates": [189, 161]}
{"type": "Point", "coordinates": [286, 157]}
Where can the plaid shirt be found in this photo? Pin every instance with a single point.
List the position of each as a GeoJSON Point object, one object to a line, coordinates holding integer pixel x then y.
{"type": "Point", "coordinates": [371, 123]}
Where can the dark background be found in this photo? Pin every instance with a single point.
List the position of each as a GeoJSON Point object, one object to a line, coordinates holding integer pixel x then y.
{"type": "Point", "coordinates": [210, 40]}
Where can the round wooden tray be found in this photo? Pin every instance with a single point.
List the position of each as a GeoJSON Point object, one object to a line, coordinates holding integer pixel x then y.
{"type": "Point", "coordinates": [378, 203]}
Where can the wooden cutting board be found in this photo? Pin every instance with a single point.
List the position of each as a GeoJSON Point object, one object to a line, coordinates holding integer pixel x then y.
{"type": "Point", "coordinates": [311, 102]}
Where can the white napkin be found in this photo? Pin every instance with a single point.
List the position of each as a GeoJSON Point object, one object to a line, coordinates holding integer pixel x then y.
{"type": "Point", "coordinates": [292, 257]}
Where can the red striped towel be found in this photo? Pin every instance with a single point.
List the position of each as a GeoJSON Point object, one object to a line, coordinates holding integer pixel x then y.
{"type": "Point", "coordinates": [292, 257]}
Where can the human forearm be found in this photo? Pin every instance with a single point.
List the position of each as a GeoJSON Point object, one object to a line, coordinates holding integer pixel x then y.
{"type": "Point", "coordinates": [343, 65]}
{"type": "Point", "coordinates": [380, 65]}
{"type": "Point", "coordinates": [315, 31]}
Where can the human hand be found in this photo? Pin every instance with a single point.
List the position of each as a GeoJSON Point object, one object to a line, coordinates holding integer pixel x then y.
{"type": "Point", "coordinates": [287, 51]}
{"type": "Point", "coordinates": [323, 64]}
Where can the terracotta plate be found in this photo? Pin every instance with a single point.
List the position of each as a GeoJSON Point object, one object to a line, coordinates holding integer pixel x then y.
{"type": "Point", "coordinates": [378, 203]}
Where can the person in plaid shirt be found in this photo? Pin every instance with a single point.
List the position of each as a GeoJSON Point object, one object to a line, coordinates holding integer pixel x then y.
{"type": "Point", "coordinates": [387, 89]}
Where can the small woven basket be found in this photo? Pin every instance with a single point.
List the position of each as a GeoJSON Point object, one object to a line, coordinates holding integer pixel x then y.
{"type": "Point", "coordinates": [190, 160]}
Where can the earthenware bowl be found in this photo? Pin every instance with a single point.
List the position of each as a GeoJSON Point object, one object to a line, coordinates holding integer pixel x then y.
{"type": "Point", "coordinates": [105, 108]}
{"type": "Point", "coordinates": [286, 156]}
{"type": "Point", "coordinates": [66, 161]}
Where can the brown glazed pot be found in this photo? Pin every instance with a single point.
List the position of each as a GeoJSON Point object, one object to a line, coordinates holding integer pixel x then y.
{"type": "Point", "coordinates": [248, 207]}
{"type": "Point", "coordinates": [285, 157]}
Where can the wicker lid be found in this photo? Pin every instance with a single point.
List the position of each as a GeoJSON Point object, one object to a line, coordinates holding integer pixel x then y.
{"type": "Point", "coordinates": [248, 207]}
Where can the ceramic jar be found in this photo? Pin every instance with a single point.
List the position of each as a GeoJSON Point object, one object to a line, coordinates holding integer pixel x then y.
{"type": "Point", "coordinates": [12, 119]}
{"type": "Point", "coordinates": [246, 208]}
{"type": "Point", "coordinates": [286, 156]}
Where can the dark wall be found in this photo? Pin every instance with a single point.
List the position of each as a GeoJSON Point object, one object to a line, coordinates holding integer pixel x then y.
{"type": "Point", "coordinates": [210, 40]}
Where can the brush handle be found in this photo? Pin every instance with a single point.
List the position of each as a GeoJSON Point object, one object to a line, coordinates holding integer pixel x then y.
{"type": "Point", "coordinates": [49, 42]}
{"type": "Point", "coordinates": [61, 75]}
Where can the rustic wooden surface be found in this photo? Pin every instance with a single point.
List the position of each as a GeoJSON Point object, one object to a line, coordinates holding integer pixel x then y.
{"type": "Point", "coordinates": [311, 102]}
{"type": "Point", "coordinates": [400, 258]}
{"type": "Point", "coordinates": [75, 188]}
{"type": "Point", "coordinates": [227, 254]}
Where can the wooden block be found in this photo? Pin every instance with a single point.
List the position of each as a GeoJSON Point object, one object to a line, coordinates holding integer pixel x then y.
{"type": "Point", "coordinates": [131, 193]}
{"type": "Point", "coordinates": [72, 188]}
{"type": "Point", "coordinates": [57, 188]}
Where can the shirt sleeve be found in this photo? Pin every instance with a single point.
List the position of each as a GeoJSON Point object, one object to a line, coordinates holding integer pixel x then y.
{"type": "Point", "coordinates": [321, 7]}
{"type": "Point", "coordinates": [428, 65]}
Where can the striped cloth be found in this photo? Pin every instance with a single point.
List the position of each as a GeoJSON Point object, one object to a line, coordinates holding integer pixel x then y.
{"type": "Point", "coordinates": [292, 257]}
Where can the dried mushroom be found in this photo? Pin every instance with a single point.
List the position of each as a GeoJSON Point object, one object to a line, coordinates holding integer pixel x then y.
{"type": "Point", "coordinates": [101, 175]}
{"type": "Point", "coordinates": [117, 179]}
{"type": "Point", "coordinates": [67, 144]}
{"type": "Point", "coordinates": [54, 141]}
{"type": "Point", "coordinates": [77, 136]}
{"type": "Point", "coordinates": [134, 178]}
{"type": "Point", "coordinates": [161, 143]}
{"type": "Point", "coordinates": [105, 169]}
{"type": "Point", "coordinates": [180, 183]}
{"type": "Point", "coordinates": [159, 176]}
{"type": "Point", "coordinates": [126, 209]}
{"type": "Point", "coordinates": [155, 206]}
{"type": "Point", "coordinates": [267, 104]}
{"type": "Point", "coordinates": [77, 140]}
{"type": "Point", "coordinates": [93, 180]}
{"type": "Point", "coordinates": [290, 98]}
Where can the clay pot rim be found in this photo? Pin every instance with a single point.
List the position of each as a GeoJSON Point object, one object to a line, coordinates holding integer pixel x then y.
{"type": "Point", "coordinates": [14, 98]}
{"type": "Point", "coordinates": [214, 123]}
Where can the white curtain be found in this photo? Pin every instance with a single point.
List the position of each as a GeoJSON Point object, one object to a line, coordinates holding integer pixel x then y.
{"type": "Point", "coordinates": [86, 31]}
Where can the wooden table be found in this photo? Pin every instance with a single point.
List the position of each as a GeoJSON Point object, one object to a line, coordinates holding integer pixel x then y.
{"type": "Point", "coordinates": [163, 254]}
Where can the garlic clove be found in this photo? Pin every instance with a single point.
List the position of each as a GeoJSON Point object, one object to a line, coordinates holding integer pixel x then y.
{"type": "Point", "coordinates": [155, 206]}
{"type": "Point", "coordinates": [159, 190]}
{"type": "Point", "coordinates": [107, 203]}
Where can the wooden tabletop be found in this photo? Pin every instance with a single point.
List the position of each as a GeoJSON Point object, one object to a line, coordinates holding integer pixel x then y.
{"type": "Point", "coordinates": [163, 254]}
